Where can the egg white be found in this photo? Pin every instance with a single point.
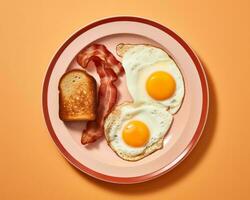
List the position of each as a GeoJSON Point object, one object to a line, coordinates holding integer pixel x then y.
{"type": "Point", "coordinates": [140, 62]}
{"type": "Point", "coordinates": [154, 115]}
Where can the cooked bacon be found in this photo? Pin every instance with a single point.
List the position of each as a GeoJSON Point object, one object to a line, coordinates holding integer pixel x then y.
{"type": "Point", "coordinates": [107, 68]}
{"type": "Point", "coordinates": [100, 51]}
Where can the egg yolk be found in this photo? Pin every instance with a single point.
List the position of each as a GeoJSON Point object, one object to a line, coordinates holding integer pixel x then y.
{"type": "Point", "coordinates": [135, 134]}
{"type": "Point", "coordinates": [160, 85]}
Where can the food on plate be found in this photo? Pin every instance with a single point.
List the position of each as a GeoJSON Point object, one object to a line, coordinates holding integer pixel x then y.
{"type": "Point", "coordinates": [152, 75]}
{"type": "Point", "coordinates": [108, 69]}
{"type": "Point", "coordinates": [132, 129]}
{"type": "Point", "coordinates": [136, 129]}
{"type": "Point", "coordinates": [99, 52]}
{"type": "Point", "coordinates": [77, 96]}
{"type": "Point", "coordinates": [122, 48]}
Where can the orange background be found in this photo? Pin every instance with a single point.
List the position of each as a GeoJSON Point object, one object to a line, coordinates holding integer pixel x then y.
{"type": "Point", "coordinates": [31, 167]}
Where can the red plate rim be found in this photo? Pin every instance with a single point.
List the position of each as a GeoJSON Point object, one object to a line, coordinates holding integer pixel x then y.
{"type": "Point", "coordinates": [186, 151]}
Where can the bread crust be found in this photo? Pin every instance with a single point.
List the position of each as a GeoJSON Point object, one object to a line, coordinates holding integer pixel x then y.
{"type": "Point", "coordinates": [77, 96]}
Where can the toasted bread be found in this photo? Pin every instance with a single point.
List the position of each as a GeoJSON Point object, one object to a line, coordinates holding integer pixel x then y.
{"type": "Point", "coordinates": [77, 96]}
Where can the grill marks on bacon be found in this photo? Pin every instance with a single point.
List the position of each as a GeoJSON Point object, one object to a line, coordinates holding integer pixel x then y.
{"type": "Point", "coordinates": [108, 68]}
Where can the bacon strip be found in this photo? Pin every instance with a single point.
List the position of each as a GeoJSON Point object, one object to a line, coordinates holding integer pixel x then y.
{"type": "Point", "coordinates": [100, 51]}
{"type": "Point", "coordinates": [107, 68]}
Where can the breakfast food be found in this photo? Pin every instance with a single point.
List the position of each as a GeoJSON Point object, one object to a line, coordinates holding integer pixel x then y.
{"type": "Point", "coordinates": [108, 69]}
{"type": "Point", "coordinates": [135, 130]}
{"type": "Point", "coordinates": [152, 75]}
{"type": "Point", "coordinates": [99, 52]}
{"type": "Point", "coordinates": [77, 96]}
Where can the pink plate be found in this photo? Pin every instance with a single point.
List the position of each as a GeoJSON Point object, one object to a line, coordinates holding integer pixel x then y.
{"type": "Point", "coordinates": [97, 159]}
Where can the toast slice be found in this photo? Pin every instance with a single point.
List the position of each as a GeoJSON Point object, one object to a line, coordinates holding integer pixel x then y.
{"type": "Point", "coordinates": [77, 96]}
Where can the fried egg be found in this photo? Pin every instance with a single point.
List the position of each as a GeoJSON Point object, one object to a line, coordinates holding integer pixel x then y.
{"type": "Point", "coordinates": [135, 130]}
{"type": "Point", "coordinates": [153, 76]}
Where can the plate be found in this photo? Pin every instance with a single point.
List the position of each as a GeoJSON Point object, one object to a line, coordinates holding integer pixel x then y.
{"type": "Point", "coordinates": [98, 160]}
